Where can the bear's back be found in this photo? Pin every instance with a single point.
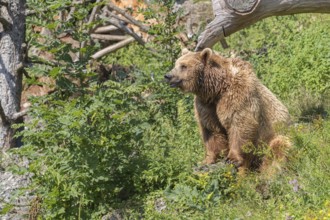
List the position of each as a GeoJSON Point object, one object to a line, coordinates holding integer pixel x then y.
{"type": "Point", "coordinates": [275, 111]}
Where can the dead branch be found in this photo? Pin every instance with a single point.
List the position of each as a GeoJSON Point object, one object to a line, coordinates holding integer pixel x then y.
{"type": "Point", "coordinates": [105, 29]}
{"type": "Point", "coordinates": [6, 120]}
{"type": "Point", "coordinates": [234, 15]}
{"type": "Point", "coordinates": [108, 37]}
{"type": "Point", "coordinates": [119, 24]}
{"type": "Point", "coordinates": [122, 19]}
{"type": "Point", "coordinates": [128, 17]}
{"type": "Point", "coordinates": [94, 11]}
{"type": "Point", "coordinates": [113, 48]}
{"type": "Point", "coordinates": [18, 115]}
{"type": "Point", "coordinates": [71, 12]}
{"type": "Point", "coordinates": [90, 20]}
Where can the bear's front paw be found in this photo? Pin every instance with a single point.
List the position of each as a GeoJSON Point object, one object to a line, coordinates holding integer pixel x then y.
{"type": "Point", "coordinates": [209, 160]}
{"type": "Point", "coordinates": [236, 163]}
{"type": "Point", "coordinates": [234, 158]}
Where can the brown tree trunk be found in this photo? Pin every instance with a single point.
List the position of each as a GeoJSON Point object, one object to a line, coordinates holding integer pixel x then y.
{"type": "Point", "coordinates": [12, 36]}
{"type": "Point", "coordinates": [234, 15]}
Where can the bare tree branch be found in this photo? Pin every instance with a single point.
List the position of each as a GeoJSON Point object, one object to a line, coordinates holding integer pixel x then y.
{"type": "Point", "coordinates": [18, 115]}
{"type": "Point", "coordinates": [123, 27]}
{"type": "Point", "coordinates": [71, 12]}
{"type": "Point", "coordinates": [113, 48]}
{"type": "Point", "coordinates": [38, 60]}
{"type": "Point", "coordinates": [108, 37]}
{"type": "Point", "coordinates": [124, 20]}
{"type": "Point", "coordinates": [12, 118]}
{"type": "Point", "coordinates": [129, 17]}
{"type": "Point", "coordinates": [90, 20]}
{"type": "Point", "coordinates": [94, 11]}
{"type": "Point", "coordinates": [105, 29]}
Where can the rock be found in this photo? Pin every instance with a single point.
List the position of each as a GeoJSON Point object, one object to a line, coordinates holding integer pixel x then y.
{"type": "Point", "coordinates": [18, 203]}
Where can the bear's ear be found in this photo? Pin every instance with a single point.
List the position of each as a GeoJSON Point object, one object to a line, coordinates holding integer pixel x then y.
{"type": "Point", "coordinates": [206, 54]}
{"type": "Point", "coordinates": [184, 51]}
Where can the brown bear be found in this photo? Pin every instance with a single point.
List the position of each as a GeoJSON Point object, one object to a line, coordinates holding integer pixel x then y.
{"type": "Point", "coordinates": [236, 113]}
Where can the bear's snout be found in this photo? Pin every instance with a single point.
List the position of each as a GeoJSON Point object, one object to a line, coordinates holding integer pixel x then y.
{"type": "Point", "coordinates": [168, 76]}
{"type": "Point", "coordinates": [172, 80]}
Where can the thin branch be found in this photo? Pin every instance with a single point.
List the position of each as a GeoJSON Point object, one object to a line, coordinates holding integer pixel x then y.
{"type": "Point", "coordinates": [90, 20]}
{"type": "Point", "coordinates": [129, 17]}
{"type": "Point", "coordinates": [7, 120]}
{"type": "Point", "coordinates": [39, 60]}
{"type": "Point", "coordinates": [71, 12]}
{"type": "Point", "coordinates": [123, 27]}
{"type": "Point", "coordinates": [20, 69]}
{"type": "Point", "coordinates": [18, 115]}
{"type": "Point", "coordinates": [113, 48]}
{"type": "Point", "coordinates": [123, 19]}
{"type": "Point", "coordinates": [109, 37]}
{"type": "Point", "coordinates": [105, 29]}
{"type": "Point", "coordinates": [94, 11]}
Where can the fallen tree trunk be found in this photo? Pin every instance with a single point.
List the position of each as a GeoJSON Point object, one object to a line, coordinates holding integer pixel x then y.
{"type": "Point", "coordinates": [234, 15]}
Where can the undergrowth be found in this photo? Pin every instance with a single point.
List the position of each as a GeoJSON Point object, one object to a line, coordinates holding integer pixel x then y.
{"type": "Point", "coordinates": [131, 148]}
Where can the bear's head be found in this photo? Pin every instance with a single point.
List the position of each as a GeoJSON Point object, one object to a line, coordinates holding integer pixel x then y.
{"type": "Point", "coordinates": [189, 71]}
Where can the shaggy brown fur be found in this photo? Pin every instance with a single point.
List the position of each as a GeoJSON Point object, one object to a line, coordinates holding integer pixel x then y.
{"type": "Point", "coordinates": [235, 112]}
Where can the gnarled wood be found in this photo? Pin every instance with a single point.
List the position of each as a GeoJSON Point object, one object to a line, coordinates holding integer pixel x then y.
{"type": "Point", "coordinates": [234, 15]}
{"type": "Point", "coordinates": [242, 6]}
{"type": "Point", "coordinates": [12, 18]}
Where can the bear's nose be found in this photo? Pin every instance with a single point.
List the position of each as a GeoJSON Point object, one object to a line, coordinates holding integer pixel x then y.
{"type": "Point", "coordinates": [168, 76]}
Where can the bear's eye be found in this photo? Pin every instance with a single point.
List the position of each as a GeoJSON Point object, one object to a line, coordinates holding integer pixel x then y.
{"type": "Point", "coordinates": [183, 67]}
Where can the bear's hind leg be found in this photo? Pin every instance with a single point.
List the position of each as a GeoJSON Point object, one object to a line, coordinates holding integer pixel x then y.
{"type": "Point", "coordinates": [279, 147]}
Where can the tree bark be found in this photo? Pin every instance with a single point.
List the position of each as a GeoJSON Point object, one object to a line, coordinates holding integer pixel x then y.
{"type": "Point", "coordinates": [234, 15]}
{"type": "Point", "coordinates": [12, 36]}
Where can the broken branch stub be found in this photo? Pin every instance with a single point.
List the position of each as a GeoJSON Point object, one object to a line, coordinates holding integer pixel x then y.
{"type": "Point", "coordinates": [234, 15]}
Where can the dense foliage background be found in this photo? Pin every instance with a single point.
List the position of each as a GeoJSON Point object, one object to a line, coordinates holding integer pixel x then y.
{"type": "Point", "coordinates": [129, 146]}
